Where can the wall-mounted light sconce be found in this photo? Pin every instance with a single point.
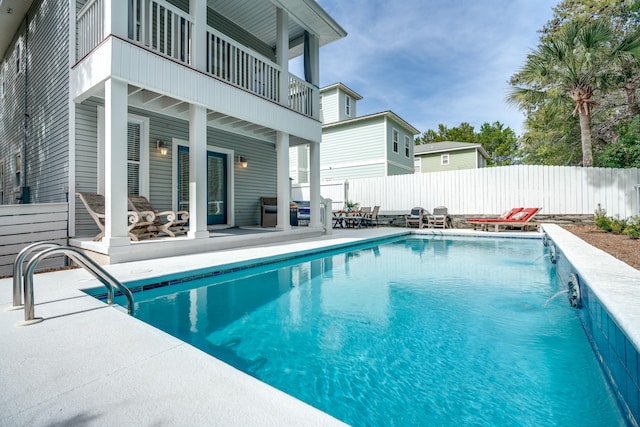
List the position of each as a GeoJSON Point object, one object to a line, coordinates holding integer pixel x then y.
{"type": "Point", "coordinates": [162, 148]}
{"type": "Point", "coordinates": [242, 161]}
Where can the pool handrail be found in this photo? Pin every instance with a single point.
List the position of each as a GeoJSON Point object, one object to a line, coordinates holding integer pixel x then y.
{"type": "Point", "coordinates": [18, 270]}
{"type": "Point", "coordinates": [83, 260]}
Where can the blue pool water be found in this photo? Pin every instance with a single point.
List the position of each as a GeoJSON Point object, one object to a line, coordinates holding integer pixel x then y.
{"type": "Point", "coordinates": [422, 331]}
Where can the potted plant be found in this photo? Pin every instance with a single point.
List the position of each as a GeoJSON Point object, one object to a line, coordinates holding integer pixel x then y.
{"type": "Point", "coordinates": [351, 206]}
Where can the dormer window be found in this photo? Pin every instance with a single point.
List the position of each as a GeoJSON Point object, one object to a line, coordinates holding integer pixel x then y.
{"type": "Point", "coordinates": [347, 105]}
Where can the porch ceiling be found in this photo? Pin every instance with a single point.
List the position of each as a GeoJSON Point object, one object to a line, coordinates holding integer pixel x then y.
{"type": "Point", "coordinates": [12, 13]}
{"type": "Point", "coordinates": [166, 105]}
{"type": "Point", "coordinates": [259, 18]}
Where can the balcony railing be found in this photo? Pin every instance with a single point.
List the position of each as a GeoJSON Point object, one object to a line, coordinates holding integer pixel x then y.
{"type": "Point", "coordinates": [89, 27]}
{"type": "Point", "coordinates": [234, 63]}
{"type": "Point", "coordinates": [167, 30]}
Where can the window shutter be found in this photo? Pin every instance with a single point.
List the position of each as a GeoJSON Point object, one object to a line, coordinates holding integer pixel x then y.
{"type": "Point", "coordinates": [133, 158]}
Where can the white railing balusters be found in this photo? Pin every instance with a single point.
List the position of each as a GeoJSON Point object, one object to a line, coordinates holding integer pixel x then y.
{"type": "Point", "coordinates": [167, 30]}
{"type": "Point", "coordinates": [89, 27]}
{"type": "Point", "coordinates": [301, 95]}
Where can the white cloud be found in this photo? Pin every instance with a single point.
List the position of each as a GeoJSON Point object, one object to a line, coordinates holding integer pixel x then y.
{"type": "Point", "coordinates": [433, 61]}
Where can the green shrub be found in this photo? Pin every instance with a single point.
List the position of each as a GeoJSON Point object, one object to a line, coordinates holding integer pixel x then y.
{"type": "Point", "coordinates": [633, 228]}
{"type": "Point", "coordinates": [617, 225]}
{"type": "Point", "coordinates": [602, 220]}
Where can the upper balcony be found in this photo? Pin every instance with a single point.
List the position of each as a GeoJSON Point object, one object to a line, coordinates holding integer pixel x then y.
{"type": "Point", "coordinates": [239, 46]}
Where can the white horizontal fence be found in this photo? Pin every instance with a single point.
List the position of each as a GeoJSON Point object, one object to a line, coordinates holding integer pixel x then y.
{"type": "Point", "coordinates": [21, 225]}
{"type": "Point", "coordinates": [559, 190]}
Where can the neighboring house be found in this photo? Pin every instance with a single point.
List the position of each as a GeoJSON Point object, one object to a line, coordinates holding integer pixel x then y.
{"type": "Point", "coordinates": [353, 146]}
{"type": "Point", "coordinates": [187, 102]}
{"type": "Point", "coordinates": [449, 155]}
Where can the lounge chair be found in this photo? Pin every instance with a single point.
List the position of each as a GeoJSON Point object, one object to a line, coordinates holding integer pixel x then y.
{"type": "Point", "coordinates": [417, 217]}
{"type": "Point", "coordinates": [139, 222]}
{"type": "Point", "coordinates": [521, 219]}
{"type": "Point", "coordinates": [483, 223]}
{"type": "Point", "coordinates": [439, 218]}
{"type": "Point", "coordinates": [168, 222]}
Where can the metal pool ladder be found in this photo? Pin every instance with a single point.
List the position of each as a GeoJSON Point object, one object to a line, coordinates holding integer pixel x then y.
{"type": "Point", "coordinates": [23, 278]}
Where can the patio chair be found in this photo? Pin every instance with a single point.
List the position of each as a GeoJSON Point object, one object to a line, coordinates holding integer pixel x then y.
{"type": "Point", "coordinates": [371, 218]}
{"type": "Point", "coordinates": [168, 222]}
{"type": "Point", "coordinates": [139, 222]}
{"type": "Point", "coordinates": [439, 218]}
{"type": "Point", "coordinates": [417, 217]}
{"type": "Point", "coordinates": [268, 211]}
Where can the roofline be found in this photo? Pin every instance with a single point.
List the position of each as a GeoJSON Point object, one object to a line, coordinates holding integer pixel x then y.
{"type": "Point", "coordinates": [479, 146]}
{"type": "Point", "coordinates": [324, 15]}
{"type": "Point", "coordinates": [344, 87]}
{"type": "Point", "coordinates": [387, 113]}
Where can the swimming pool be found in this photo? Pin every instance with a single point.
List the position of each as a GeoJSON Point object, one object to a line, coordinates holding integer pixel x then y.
{"type": "Point", "coordinates": [450, 331]}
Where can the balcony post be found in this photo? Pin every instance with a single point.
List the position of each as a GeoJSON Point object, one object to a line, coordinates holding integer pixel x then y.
{"type": "Point", "coordinates": [314, 53]}
{"type": "Point", "coordinates": [282, 54]}
{"type": "Point", "coordinates": [198, 10]}
{"type": "Point", "coordinates": [115, 18]}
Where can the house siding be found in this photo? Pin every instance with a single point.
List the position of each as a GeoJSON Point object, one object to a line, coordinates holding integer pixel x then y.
{"type": "Point", "coordinates": [403, 163]}
{"type": "Point", "coordinates": [44, 73]}
{"type": "Point", "coordinates": [330, 106]}
{"type": "Point", "coordinates": [351, 150]}
{"type": "Point", "coordinates": [458, 159]}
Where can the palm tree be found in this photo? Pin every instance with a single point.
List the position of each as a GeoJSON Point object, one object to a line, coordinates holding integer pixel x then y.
{"type": "Point", "coordinates": [575, 62]}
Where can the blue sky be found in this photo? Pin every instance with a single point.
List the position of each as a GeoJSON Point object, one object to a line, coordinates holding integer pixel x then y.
{"type": "Point", "coordinates": [433, 61]}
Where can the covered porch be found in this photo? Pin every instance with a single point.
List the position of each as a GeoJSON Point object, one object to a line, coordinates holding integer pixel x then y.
{"type": "Point", "coordinates": [173, 68]}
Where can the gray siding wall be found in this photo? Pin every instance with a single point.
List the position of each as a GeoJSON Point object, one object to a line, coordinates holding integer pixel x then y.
{"type": "Point", "coordinates": [257, 180]}
{"type": "Point", "coordinates": [45, 75]}
{"type": "Point", "coordinates": [86, 162]}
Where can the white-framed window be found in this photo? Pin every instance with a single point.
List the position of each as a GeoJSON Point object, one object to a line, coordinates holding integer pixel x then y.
{"type": "Point", "coordinates": [321, 102]}
{"type": "Point", "coordinates": [18, 53]}
{"type": "Point", "coordinates": [407, 146]}
{"type": "Point", "coordinates": [444, 159]}
{"type": "Point", "coordinates": [17, 170]}
{"type": "Point", "coordinates": [395, 137]}
{"type": "Point", "coordinates": [417, 165]}
{"type": "Point", "coordinates": [347, 105]}
{"type": "Point", "coordinates": [137, 154]}
{"type": "Point", "coordinates": [3, 79]}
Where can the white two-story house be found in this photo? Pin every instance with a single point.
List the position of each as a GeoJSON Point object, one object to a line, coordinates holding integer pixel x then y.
{"type": "Point", "coordinates": [354, 146]}
{"type": "Point", "coordinates": [188, 102]}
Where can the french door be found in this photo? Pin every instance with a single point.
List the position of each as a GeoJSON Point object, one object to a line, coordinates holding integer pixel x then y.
{"type": "Point", "coordinates": [217, 194]}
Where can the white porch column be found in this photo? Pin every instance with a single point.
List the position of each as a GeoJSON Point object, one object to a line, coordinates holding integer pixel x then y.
{"type": "Point", "coordinates": [198, 10]}
{"type": "Point", "coordinates": [314, 185]}
{"type": "Point", "coordinates": [314, 50]}
{"type": "Point", "coordinates": [115, 118]}
{"type": "Point", "coordinates": [115, 18]}
{"type": "Point", "coordinates": [282, 54]}
{"type": "Point", "coordinates": [282, 171]}
{"type": "Point", "coordinates": [197, 172]}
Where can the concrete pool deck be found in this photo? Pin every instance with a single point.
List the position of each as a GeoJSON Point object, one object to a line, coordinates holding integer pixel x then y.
{"type": "Point", "coordinates": [91, 364]}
